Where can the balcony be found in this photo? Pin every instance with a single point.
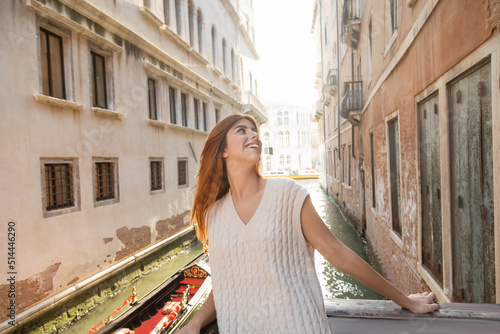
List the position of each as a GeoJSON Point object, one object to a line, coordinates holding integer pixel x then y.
{"type": "Point", "coordinates": [351, 25]}
{"type": "Point", "coordinates": [318, 112]}
{"type": "Point", "coordinates": [331, 81]}
{"type": "Point", "coordinates": [252, 106]}
{"type": "Point", "coordinates": [352, 101]}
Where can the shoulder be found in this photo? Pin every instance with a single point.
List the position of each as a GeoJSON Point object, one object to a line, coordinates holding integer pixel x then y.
{"type": "Point", "coordinates": [287, 183]}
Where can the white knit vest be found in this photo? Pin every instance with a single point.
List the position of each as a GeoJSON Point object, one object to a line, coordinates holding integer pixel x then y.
{"type": "Point", "coordinates": [264, 280]}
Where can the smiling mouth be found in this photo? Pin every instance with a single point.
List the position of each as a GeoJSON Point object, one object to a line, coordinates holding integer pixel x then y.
{"type": "Point", "coordinates": [252, 146]}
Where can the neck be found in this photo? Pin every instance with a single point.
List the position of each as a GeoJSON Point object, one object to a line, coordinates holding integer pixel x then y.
{"type": "Point", "coordinates": [243, 181]}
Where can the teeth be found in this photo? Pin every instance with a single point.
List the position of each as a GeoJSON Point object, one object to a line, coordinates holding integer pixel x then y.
{"type": "Point", "coordinates": [253, 146]}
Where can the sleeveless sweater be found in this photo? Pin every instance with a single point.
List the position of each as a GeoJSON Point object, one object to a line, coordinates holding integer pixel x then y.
{"type": "Point", "coordinates": [263, 274]}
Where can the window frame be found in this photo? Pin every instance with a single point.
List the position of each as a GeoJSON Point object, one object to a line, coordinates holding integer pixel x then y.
{"type": "Point", "coordinates": [75, 177]}
{"type": "Point", "coordinates": [161, 174]}
{"type": "Point", "coordinates": [154, 103]}
{"type": "Point", "coordinates": [96, 97]}
{"type": "Point", "coordinates": [186, 184]}
{"type": "Point", "coordinates": [172, 98]}
{"type": "Point", "coordinates": [116, 186]}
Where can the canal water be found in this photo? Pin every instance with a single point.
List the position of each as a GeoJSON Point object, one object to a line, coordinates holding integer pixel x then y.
{"type": "Point", "coordinates": [334, 283]}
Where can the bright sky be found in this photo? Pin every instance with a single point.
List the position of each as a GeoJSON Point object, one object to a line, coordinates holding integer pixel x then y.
{"type": "Point", "coordinates": [286, 47]}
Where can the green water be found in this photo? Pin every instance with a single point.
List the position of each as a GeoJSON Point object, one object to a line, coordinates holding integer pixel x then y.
{"type": "Point", "coordinates": [143, 285]}
{"type": "Point", "coordinates": [334, 283]}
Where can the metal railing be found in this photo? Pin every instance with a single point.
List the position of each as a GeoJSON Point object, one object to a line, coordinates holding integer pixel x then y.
{"type": "Point", "coordinates": [353, 98]}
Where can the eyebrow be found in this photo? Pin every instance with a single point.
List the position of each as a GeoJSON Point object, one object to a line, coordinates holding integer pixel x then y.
{"type": "Point", "coordinates": [244, 127]}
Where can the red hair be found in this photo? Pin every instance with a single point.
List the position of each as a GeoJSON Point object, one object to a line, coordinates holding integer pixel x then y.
{"type": "Point", "coordinates": [212, 183]}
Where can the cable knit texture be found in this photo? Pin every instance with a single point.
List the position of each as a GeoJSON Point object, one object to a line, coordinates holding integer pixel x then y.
{"type": "Point", "coordinates": [264, 280]}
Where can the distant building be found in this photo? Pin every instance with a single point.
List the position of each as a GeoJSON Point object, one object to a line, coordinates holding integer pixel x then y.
{"type": "Point", "coordinates": [286, 139]}
{"type": "Point", "coordinates": [105, 109]}
{"type": "Point", "coordinates": [408, 101]}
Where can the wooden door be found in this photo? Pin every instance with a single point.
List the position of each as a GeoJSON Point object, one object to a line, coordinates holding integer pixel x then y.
{"type": "Point", "coordinates": [430, 187]}
{"type": "Point", "coordinates": [471, 164]}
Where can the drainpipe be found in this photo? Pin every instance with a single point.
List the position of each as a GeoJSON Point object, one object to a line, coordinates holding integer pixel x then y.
{"type": "Point", "coordinates": [339, 103]}
{"type": "Point", "coordinates": [320, 2]}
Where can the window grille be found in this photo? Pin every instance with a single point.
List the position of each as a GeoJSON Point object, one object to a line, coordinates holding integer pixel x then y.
{"type": "Point", "coordinates": [156, 175]}
{"type": "Point", "coordinates": [182, 173]}
{"type": "Point", "coordinates": [105, 180]}
{"type": "Point", "coordinates": [59, 186]}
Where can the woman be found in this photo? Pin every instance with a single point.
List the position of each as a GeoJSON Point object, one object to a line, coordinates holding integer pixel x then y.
{"type": "Point", "coordinates": [262, 235]}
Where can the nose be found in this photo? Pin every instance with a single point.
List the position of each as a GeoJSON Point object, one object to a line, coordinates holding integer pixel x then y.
{"type": "Point", "coordinates": [254, 134]}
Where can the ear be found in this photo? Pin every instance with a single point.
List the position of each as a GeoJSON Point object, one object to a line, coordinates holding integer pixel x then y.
{"type": "Point", "coordinates": [225, 155]}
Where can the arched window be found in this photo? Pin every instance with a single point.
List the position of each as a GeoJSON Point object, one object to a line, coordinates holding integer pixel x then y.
{"type": "Point", "coordinates": [282, 160]}
{"type": "Point", "coordinates": [178, 16]}
{"type": "Point", "coordinates": [191, 11]}
{"type": "Point", "coordinates": [286, 118]}
{"type": "Point", "coordinates": [287, 139]}
{"type": "Point", "coordinates": [288, 160]}
{"type": "Point", "coordinates": [214, 46]}
{"type": "Point", "coordinates": [266, 139]}
{"type": "Point", "coordinates": [280, 118]}
{"type": "Point", "coordinates": [268, 163]}
{"type": "Point", "coordinates": [233, 66]}
{"type": "Point", "coordinates": [224, 64]}
{"type": "Point", "coordinates": [280, 138]}
{"type": "Point", "coordinates": [200, 31]}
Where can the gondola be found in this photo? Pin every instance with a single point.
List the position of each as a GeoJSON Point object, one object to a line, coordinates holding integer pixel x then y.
{"type": "Point", "coordinates": [167, 307]}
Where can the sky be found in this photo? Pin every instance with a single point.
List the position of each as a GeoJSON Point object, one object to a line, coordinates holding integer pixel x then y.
{"type": "Point", "coordinates": [286, 47]}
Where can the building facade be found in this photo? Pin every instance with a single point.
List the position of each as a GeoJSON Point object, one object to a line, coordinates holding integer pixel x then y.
{"type": "Point", "coordinates": [409, 136]}
{"type": "Point", "coordinates": [104, 114]}
{"type": "Point", "coordinates": [286, 139]}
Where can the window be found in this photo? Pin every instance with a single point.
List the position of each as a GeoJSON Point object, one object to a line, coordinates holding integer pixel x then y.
{"type": "Point", "coordinates": [184, 110]}
{"type": "Point", "coordinates": [372, 157]}
{"type": "Point", "coordinates": [59, 192]}
{"type": "Point", "coordinates": [394, 14]}
{"type": "Point", "coordinates": [268, 163]}
{"type": "Point", "coordinates": [287, 139]}
{"type": "Point", "coordinates": [286, 118]}
{"type": "Point", "coordinates": [166, 11]}
{"type": "Point", "coordinates": [171, 95]}
{"type": "Point", "coordinates": [217, 115]}
{"type": "Point", "coordinates": [196, 105]}
{"type": "Point", "coordinates": [153, 113]}
{"type": "Point", "coordinates": [224, 61]}
{"type": "Point", "coordinates": [288, 160]}
{"type": "Point", "coordinates": [342, 152]}
{"type": "Point", "coordinates": [182, 173]}
{"type": "Point", "coordinates": [178, 16]}
{"type": "Point", "coordinates": [205, 120]}
{"type": "Point", "coordinates": [393, 134]}
{"type": "Point", "coordinates": [99, 81]}
{"type": "Point", "coordinates": [370, 50]}
{"type": "Point", "coordinates": [266, 139]}
{"type": "Point", "coordinates": [156, 170]}
{"type": "Point", "coordinates": [280, 139]}
{"type": "Point", "coordinates": [280, 119]}
{"type": "Point", "coordinates": [335, 164]}
{"type": "Point", "coordinates": [191, 12]}
{"type": "Point", "coordinates": [200, 31]}
{"type": "Point", "coordinates": [349, 165]}
{"type": "Point", "coordinates": [214, 47]}
{"type": "Point", "coordinates": [52, 64]}
{"type": "Point", "coordinates": [105, 181]}
{"type": "Point", "coordinates": [282, 160]}
{"type": "Point", "coordinates": [233, 66]}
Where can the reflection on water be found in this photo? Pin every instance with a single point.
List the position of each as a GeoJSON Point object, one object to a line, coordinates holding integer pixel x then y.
{"type": "Point", "coordinates": [334, 283]}
{"type": "Point", "coordinates": [143, 285]}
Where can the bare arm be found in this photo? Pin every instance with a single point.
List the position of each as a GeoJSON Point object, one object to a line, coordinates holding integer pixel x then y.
{"type": "Point", "coordinates": [202, 318]}
{"type": "Point", "coordinates": [343, 258]}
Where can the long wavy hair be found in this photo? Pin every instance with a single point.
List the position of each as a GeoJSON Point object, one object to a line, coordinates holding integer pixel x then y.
{"type": "Point", "coordinates": [212, 183]}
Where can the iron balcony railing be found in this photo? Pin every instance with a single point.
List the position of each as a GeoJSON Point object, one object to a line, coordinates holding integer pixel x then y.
{"type": "Point", "coordinates": [352, 99]}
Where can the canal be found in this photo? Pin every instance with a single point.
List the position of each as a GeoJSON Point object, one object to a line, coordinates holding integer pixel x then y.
{"type": "Point", "coordinates": [334, 283]}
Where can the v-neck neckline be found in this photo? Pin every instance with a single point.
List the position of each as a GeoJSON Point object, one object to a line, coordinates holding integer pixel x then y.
{"type": "Point", "coordinates": [256, 212]}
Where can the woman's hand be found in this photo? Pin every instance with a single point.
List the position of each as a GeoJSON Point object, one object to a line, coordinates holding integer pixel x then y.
{"type": "Point", "coordinates": [422, 302]}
